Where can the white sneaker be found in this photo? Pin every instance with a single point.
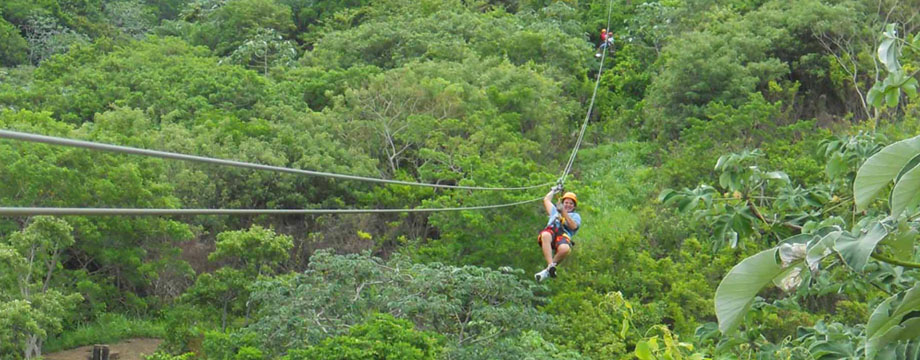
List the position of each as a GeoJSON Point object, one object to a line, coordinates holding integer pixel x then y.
{"type": "Point", "coordinates": [540, 276]}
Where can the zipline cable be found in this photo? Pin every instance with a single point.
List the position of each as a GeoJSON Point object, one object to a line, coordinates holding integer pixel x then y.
{"type": "Point", "coordinates": [584, 125]}
{"type": "Point", "coordinates": [33, 211]}
{"type": "Point", "coordinates": [177, 156]}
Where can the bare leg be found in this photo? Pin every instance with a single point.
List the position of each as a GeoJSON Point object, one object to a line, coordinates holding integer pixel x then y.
{"type": "Point", "coordinates": [561, 252]}
{"type": "Point", "coordinates": [546, 242]}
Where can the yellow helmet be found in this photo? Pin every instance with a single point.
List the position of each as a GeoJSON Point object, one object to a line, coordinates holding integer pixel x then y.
{"type": "Point", "coordinates": [571, 195]}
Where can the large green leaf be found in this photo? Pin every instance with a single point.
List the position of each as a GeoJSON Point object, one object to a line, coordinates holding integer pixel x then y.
{"type": "Point", "coordinates": [894, 319]}
{"type": "Point", "coordinates": [874, 97]}
{"type": "Point", "coordinates": [855, 251]}
{"type": "Point", "coordinates": [737, 290]}
{"type": "Point", "coordinates": [819, 249]}
{"type": "Point", "coordinates": [881, 168]}
{"type": "Point", "coordinates": [888, 49]}
{"type": "Point", "coordinates": [901, 241]}
{"type": "Point", "coordinates": [906, 193]}
{"type": "Point", "coordinates": [908, 167]}
{"type": "Point", "coordinates": [643, 352]}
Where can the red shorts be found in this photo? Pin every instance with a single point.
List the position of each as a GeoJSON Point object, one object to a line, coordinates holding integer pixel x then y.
{"type": "Point", "coordinates": [562, 238]}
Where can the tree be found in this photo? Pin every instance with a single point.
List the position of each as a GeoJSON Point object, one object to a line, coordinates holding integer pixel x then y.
{"type": "Point", "coordinates": [46, 37]}
{"type": "Point", "coordinates": [133, 17]}
{"type": "Point", "coordinates": [32, 308]}
{"type": "Point", "coordinates": [251, 254]}
{"type": "Point", "coordinates": [264, 50]}
{"type": "Point", "coordinates": [226, 289]}
{"type": "Point", "coordinates": [257, 251]}
{"type": "Point", "coordinates": [381, 337]}
{"type": "Point", "coordinates": [475, 308]}
{"type": "Point", "coordinates": [226, 25]}
{"type": "Point", "coordinates": [13, 48]}
{"type": "Point", "coordinates": [124, 256]}
{"type": "Point", "coordinates": [885, 235]}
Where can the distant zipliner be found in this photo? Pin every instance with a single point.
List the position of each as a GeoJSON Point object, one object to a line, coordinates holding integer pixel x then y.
{"type": "Point", "coordinates": [606, 42]}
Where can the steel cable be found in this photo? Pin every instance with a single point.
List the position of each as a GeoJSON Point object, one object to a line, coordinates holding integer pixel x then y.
{"type": "Point", "coordinates": [170, 155]}
{"type": "Point", "coordinates": [584, 125]}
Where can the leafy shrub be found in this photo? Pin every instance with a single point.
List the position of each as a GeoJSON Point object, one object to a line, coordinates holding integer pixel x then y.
{"type": "Point", "coordinates": [107, 328]}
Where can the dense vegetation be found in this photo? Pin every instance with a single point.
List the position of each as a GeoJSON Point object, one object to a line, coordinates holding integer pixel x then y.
{"type": "Point", "coordinates": [733, 144]}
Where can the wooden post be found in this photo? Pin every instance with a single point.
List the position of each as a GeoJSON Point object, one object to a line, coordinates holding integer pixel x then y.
{"type": "Point", "coordinates": [100, 352]}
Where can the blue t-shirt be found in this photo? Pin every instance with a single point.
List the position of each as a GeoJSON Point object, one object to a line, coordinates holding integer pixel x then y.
{"type": "Point", "coordinates": [554, 217]}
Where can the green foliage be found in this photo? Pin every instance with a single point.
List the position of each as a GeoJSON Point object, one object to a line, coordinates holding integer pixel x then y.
{"type": "Point", "coordinates": [238, 346]}
{"type": "Point", "coordinates": [226, 290]}
{"type": "Point", "coordinates": [129, 252]}
{"type": "Point", "coordinates": [890, 322]}
{"type": "Point", "coordinates": [738, 215]}
{"type": "Point", "coordinates": [46, 37]}
{"type": "Point", "coordinates": [893, 162]}
{"type": "Point", "coordinates": [844, 154]}
{"type": "Point", "coordinates": [670, 347]}
{"type": "Point", "coordinates": [736, 291]}
{"type": "Point", "coordinates": [597, 324]}
{"type": "Point", "coordinates": [308, 14]}
{"type": "Point", "coordinates": [338, 292]}
{"type": "Point", "coordinates": [453, 33]}
{"type": "Point", "coordinates": [225, 26]}
{"type": "Point", "coordinates": [784, 264]}
{"type": "Point", "coordinates": [174, 78]}
{"type": "Point", "coordinates": [13, 48]}
{"type": "Point", "coordinates": [317, 87]}
{"type": "Point", "coordinates": [736, 53]}
{"type": "Point", "coordinates": [264, 50]}
{"type": "Point", "coordinates": [185, 325]}
{"type": "Point", "coordinates": [888, 92]}
{"type": "Point", "coordinates": [257, 250]}
{"type": "Point", "coordinates": [833, 341]}
{"type": "Point", "coordinates": [107, 328]}
{"type": "Point", "coordinates": [160, 355]}
{"type": "Point", "coordinates": [474, 93]}
{"type": "Point", "coordinates": [381, 337]}
{"type": "Point", "coordinates": [32, 310]}
{"type": "Point", "coordinates": [132, 17]}
{"type": "Point", "coordinates": [722, 128]}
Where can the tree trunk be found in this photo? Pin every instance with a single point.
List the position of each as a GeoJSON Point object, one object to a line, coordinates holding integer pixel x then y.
{"type": "Point", "coordinates": [223, 317]}
{"type": "Point", "coordinates": [33, 348]}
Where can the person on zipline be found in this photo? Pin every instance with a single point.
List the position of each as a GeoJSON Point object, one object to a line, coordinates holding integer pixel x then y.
{"type": "Point", "coordinates": [606, 42]}
{"type": "Point", "coordinates": [563, 223]}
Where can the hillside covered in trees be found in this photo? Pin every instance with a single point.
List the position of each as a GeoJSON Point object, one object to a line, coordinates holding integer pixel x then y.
{"type": "Point", "coordinates": [748, 179]}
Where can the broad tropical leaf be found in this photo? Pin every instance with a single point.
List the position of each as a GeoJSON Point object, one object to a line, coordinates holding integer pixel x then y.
{"type": "Point", "coordinates": [893, 320]}
{"type": "Point", "coordinates": [888, 49]}
{"type": "Point", "coordinates": [688, 200]}
{"type": "Point", "coordinates": [643, 351]}
{"type": "Point", "coordinates": [820, 249]}
{"type": "Point", "coordinates": [777, 175]}
{"type": "Point", "coordinates": [902, 241]}
{"type": "Point", "coordinates": [856, 251]}
{"type": "Point", "coordinates": [906, 193]}
{"type": "Point", "coordinates": [880, 169]}
{"type": "Point", "coordinates": [874, 97]}
{"type": "Point", "coordinates": [737, 290]}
